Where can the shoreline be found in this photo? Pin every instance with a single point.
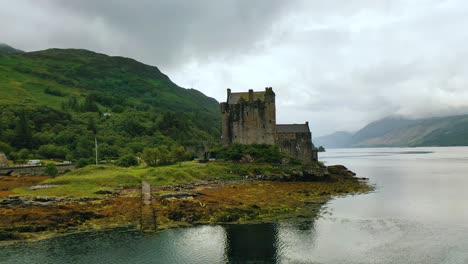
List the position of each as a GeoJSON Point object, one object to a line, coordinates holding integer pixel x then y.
{"type": "Point", "coordinates": [219, 202]}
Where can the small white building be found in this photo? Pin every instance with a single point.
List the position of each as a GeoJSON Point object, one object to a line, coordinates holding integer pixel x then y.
{"type": "Point", "coordinates": [34, 163]}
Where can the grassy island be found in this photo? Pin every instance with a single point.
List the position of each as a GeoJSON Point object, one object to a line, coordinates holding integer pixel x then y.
{"type": "Point", "coordinates": [100, 197]}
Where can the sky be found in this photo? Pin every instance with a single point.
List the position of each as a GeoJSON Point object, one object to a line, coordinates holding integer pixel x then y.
{"type": "Point", "coordinates": [338, 64]}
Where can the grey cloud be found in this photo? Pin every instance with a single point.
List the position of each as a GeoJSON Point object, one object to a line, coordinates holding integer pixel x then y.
{"type": "Point", "coordinates": [338, 64]}
{"type": "Point", "coordinates": [171, 32]}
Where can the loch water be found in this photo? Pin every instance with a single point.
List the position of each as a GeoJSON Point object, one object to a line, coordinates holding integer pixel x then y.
{"type": "Point", "coordinates": [417, 214]}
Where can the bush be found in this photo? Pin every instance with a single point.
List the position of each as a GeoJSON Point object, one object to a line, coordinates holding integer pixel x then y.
{"type": "Point", "coordinates": [127, 161]}
{"type": "Point", "coordinates": [164, 155]}
{"type": "Point", "coordinates": [251, 153]}
{"type": "Point", "coordinates": [84, 162]}
{"type": "Point", "coordinates": [53, 91]}
{"type": "Point", "coordinates": [51, 170]}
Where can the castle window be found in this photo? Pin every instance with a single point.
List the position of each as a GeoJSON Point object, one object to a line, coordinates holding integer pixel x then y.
{"type": "Point", "coordinates": [270, 121]}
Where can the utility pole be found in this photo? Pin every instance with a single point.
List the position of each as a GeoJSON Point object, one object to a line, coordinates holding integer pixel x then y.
{"type": "Point", "coordinates": [95, 142]}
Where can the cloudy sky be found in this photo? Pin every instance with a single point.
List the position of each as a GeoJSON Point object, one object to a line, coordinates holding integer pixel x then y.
{"type": "Point", "coordinates": [337, 63]}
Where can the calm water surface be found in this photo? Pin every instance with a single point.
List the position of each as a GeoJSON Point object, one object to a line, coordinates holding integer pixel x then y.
{"type": "Point", "coordinates": [418, 214]}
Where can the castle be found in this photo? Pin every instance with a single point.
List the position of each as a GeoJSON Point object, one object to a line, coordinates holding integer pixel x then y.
{"type": "Point", "coordinates": [250, 118]}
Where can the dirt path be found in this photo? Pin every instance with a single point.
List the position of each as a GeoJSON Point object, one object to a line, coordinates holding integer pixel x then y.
{"type": "Point", "coordinates": [148, 213]}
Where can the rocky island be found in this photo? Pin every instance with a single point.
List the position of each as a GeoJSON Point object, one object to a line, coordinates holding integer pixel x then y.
{"type": "Point", "coordinates": [102, 197]}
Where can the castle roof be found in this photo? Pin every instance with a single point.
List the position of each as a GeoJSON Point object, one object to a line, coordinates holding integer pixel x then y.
{"type": "Point", "coordinates": [234, 98]}
{"type": "Point", "coordinates": [293, 128]}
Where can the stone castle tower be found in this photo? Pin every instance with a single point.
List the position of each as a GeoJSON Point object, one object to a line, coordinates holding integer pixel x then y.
{"type": "Point", "coordinates": [250, 118]}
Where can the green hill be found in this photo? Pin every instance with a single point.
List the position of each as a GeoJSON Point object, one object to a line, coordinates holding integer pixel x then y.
{"type": "Point", "coordinates": [402, 132]}
{"type": "Point", "coordinates": [4, 48]}
{"type": "Point", "coordinates": [53, 102]}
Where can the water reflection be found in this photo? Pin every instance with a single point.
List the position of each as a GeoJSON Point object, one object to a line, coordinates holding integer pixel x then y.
{"type": "Point", "coordinates": [251, 243]}
{"type": "Point", "coordinates": [270, 243]}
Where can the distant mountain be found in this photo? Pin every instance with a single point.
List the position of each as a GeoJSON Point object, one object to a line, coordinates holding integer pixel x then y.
{"type": "Point", "coordinates": [335, 140]}
{"type": "Point", "coordinates": [403, 132]}
{"type": "Point", "coordinates": [4, 48]}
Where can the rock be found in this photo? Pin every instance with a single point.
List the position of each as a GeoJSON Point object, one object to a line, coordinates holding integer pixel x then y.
{"type": "Point", "coordinates": [180, 195]}
{"type": "Point", "coordinates": [14, 201]}
{"type": "Point", "coordinates": [42, 187]}
{"type": "Point", "coordinates": [341, 170]}
{"type": "Point", "coordinates": [106, 192]}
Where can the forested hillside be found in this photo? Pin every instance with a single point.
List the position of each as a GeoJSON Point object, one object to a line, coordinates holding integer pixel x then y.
{"type": "Point", "coordinates": [54, 103]}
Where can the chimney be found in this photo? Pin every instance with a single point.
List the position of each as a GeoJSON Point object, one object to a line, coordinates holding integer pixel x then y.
{"type": "Point", "coordinates": [307, 123]}
{"type": "Point", "coordinates": [251, 95]}
{"type": "Point", "coordinates": [228, 93]}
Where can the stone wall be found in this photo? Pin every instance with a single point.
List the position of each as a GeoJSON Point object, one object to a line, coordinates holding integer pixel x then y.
{"type": "Point", "coordinates": [297, 145]}
{"type": "Point", "coordinates": [34, 170]}
{"type": "Point", "coordinates": [3, 160]}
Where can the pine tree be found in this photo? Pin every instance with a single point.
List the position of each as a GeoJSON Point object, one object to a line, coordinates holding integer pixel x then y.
{"type": "Point", "coordinates": [23, 132]}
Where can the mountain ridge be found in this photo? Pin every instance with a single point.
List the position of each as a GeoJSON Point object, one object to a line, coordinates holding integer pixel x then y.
{"type": "Point", "coordinates": [4, 48]}
{"type": "Point", "coordinates": [404, 132]}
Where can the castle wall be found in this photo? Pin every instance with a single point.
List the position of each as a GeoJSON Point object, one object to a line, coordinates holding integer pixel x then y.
{"type": "Point", "coordinates": [297, 145]}
{"type": "Point", "coordinates": [251, 123]}
{"type": "Point", "coordinates": [225, 125]}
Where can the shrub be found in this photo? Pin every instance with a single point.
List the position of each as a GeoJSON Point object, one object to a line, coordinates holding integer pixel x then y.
{"type": "Point", "coordinates": [53, 91]}
{"type": "Point", "coordinates": [51, 170]}
{"type": "Point", "coordinates": [127, 161]}
{"type": "Point", "coordinates": [84, 162]}
{"type": "Point", "coordinates": [251, 153]}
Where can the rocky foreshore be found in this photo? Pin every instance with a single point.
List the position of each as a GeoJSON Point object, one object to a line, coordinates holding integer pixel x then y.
{"type": "Point", "coordinates": [259, 198]}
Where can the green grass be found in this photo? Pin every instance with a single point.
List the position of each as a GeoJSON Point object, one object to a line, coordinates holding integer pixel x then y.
{"type": "Point", "coordinates": [78, 72]}
{"type": "Point", "coordinates": [88, 180]}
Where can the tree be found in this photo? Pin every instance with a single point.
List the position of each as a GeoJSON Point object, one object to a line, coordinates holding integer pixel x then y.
{"type": "Point", "coordinates": [90, 105]}
{"type": "Point", "coordinates": [5, 148]}
{"type": "Point", "coordinates": [133, 127]}
{"type": "Point", "coordinates": [179, 154]}
{"type": "Point", "coordinates": [52, 152]}
{"type": "Point", "coordinates": [84, 162]}
{"type": "Point", "coordinates": [165, 156]}
{"type": "Point", "coordinates": [23, 132]}
{"type": "Point", "coordinates": [91, 125]}
{"type": "Point", "coordinates": [23, 154]}
{"type": "Point", "coordinates": [151, 156]}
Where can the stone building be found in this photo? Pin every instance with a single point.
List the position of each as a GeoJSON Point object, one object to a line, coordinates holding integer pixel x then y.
{"type": "Point", "coordinates": [3, 160]}
{"type": "Point", "coordinates": [250, 118]}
